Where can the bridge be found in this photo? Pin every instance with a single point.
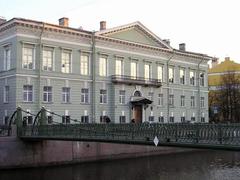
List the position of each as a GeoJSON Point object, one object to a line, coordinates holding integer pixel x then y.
{"type": "Point", "coordinates": [198, 135]}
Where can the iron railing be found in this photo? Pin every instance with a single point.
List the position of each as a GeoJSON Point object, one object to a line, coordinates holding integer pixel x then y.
{"type": "Point", "coordinates": [4, 130]}
{"type": "Point", "coordinates": [200, 135]}
{"type": "Point", "coordinates": [135, 80]}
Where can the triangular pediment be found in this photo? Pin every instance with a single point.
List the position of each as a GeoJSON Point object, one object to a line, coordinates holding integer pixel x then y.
{"type": "Point", "coordinates": [135, 32]}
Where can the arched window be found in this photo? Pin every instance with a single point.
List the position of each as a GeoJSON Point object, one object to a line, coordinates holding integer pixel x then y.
{"type": "Point", "coordinates": [137, 94]}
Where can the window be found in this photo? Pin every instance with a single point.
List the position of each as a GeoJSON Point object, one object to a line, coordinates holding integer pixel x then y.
{"type": "Point", "coordinates": [103, 66]}
{"type": "Point", "coordinates": [66, 119]}
{"type": "Point", "coordinates": [122, 119]}
{"type": "Point", "coordinates": [47, 94]}
{"type": "Point", "coordinates": [28, 120]}
{"type": "Point", "coordinates": [103, 96]}
{"type": "Point", "coordinates": [50, 119]}
{"type": "Point", "coordinates": [66, 94]}
{"type": "Point", "coordinates": [160, 99]}
{"type": "Point", "coordinates": [85, 119]}
{"type": "Point", "coordinates": [151, 118]}
{"type": "Point", "coordinates": [192, 101]}
{"type": "Point", "coordinates": [150, 96]}
{"type": "Point", "coordinates": [122, 97]}
{"type": "Point", "coordinates": [27, 93]}
{"type": "Point", "coordinates": [171, 119]}
{"type": "Point", "coordinates": [160, 73]}
{"type": "Point", "coordinates": [201, 79]}
{"type": "Point", "coordinates": [119, 67]}
{"type": "Point", "coordinates": [84, 95]}
{"type": "Point", "coordinates": [161, 119]}
{"type": "Point", "coordinates": [47, 59]}
{"type": "Point", "coordinates": [202, 119]}
{"type": "Point", "coordinates": [171, 100]}
{"type": "Point", "coordinates": [84, 64]}
{"type": "Point", "coordinates": [171, 75]}
{"type": "Point", "coordinates": [192, 78]}
{"type": "Point", "coordinates": [137, 94]}
{"type": "Point", "coordinates": [182, 101]}
{"type": "Point", "coordinates": [192, 118]}
{"type": "Point", "coordinates": [133, 70]}
{"type": "Point", "coordinates": [7, 59]}
{"type": "Point", "coordinates": [6, 120]}
{"type": "Point", "coordinates": [202, 102]}
{"type": "Point", "coordinates": [147, 71]}
{"type": "Point", "coordinates": [28, 57]}
{"type": "Point", "coordinates": [182, 76]}
{"type": "Point", "coordinates": [66, 61]}
{"type": "Point", "coordinates": [182, 119]}
{"type": "Point", "coordinates": [6, 94]}
{"type": "Point", "coordinates": [103, 119]}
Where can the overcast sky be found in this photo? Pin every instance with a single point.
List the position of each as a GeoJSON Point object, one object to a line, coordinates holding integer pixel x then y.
{"type": "Point", "coordinates": [206, 26]}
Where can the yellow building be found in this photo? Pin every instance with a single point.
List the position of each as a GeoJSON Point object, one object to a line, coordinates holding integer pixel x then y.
{"type": "Point", "coordinates": [215, 82]}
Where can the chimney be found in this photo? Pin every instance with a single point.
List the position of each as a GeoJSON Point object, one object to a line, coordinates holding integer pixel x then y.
{"type": "Point", "coordinates": [102, 25]}
{"type": "Point", "coordinates": [182, 47]}
{"type": "Point", "coordinates": [2, 20]}
{"type": "Point", "coordinates": [167, 41]}
{"type": "Point", "coordinates": [214, 62]}
{"type": "Point", "coordinates": [63, 21]}
{"type": "Point", "coordinates": [227, 58]}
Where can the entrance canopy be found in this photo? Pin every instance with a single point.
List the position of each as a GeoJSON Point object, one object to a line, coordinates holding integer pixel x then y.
{"type": "Point", "coordinates": [140, 100]}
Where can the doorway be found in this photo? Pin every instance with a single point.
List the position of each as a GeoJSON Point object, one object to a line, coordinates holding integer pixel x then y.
{"type": "Point", "coordinates": [137, 113]}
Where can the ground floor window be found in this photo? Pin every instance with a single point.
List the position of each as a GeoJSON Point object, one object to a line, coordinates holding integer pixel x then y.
{"type": "Point", "coordinates": [202, 119]}
{"type": "Point", "coordinates": [151, 118]}
{"type": "Point", "coordinates": [66, 119]}
{"type": "Point", "coordinates": [50, 119]}
{"type": "Point", "coordinates": [192, 118]}
{"type": "Point", "coordinates": [85, 119]}
{"type": "Point", "coordinates": [161, 119]}
{"type": "Point", "coordinates": [27, 120]}
{"type": "Point", "coordinates": [122, 119]}
{"type": "Point", "coordinates": [182, 119]}
{"type": "Point", "coordinates": [171, 119]}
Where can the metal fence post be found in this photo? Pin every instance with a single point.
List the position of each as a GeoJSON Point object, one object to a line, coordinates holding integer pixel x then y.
{"type": "Point", "coordinates": [19, 122]}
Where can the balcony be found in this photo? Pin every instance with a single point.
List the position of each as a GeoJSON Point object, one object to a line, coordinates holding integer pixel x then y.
{"type": "Point", "coordinates": [136, 81]}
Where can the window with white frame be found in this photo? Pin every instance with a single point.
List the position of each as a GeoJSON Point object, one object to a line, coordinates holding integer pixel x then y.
{"type": "Point", "coordinates": [28, 56]}
{"type": "Point", "coordinates": [171, 120]}
{"type": "Point", "coordinates": [161, 119]}
{"type": "Point", "coordinates": [122, 96]}
{"type": "Point", "coordinates": [193, 118]}
{"type": "Point", "coordinates": [27, 93]}
{"type": "Point", "coordinates": [150, 96]}
{"type": "Point", "coordinates": [182, 102]}
{"type": "Point", "coordinates": [160, 73]}
{"type": "Point", "coordinates": [151, 118]}
{"type": "Point", "coordinates": [85, 95]}
{"type": "Point", "coordinates": [160, 99]}
{"type": "Point", "coordinates": [147, 71]}
{"type": "Point", "coordinates": [192, 101]}
{"type": "Point", "coordinates": [202, 118]}
{"type": "Point", "coordinates": [6, 94]}
{"type": "Point", "coordinates": [84, 66]}
{"type": "Point", "coordinates": [103, 66]}
{"type": "Point", "coordinates": [66, 95]}
{"type": "Point", "coordinates": [66, 119]}
{"type": "Point", "coordinates": [85, 119]}
{"type": "Point", "coordinates": [183, 119]}
{"type": "Point", "coordinates": [47, 59]}
{"type": "Point", "coordinates": [119, 66]}
{"type": "Point", "coordinates": [192, 77]}
{"type": "Point", "coordinates": [103, 96]}
{"type": "Point", "coordinates": [171, 100]}
{"type": "Point", "coordinates": [133, 70]}
{"type": "Point", "coordinates": [202, 102]}
{"type": "Point", "coordinates": [66, 61]}
{"type": "Point", "coordinates": [47, 94]}
{"type": "Point", "coordinates": [122, 119]}
{"type": "Point", "coordinates": [171, 74]}
{"type": "Point", "coordinates": [7, 58]}
{"type": "Point", "coordinates": [201, 79]}
{"type": "Point", "coordinates": [182, 76]}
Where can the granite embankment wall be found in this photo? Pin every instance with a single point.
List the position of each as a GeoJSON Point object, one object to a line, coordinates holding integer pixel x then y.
{"type": "Point", "coordinates": [15, 153]}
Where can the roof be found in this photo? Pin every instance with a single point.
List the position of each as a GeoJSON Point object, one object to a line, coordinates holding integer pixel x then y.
{"type": "Point", "coordinates": [226, 66]}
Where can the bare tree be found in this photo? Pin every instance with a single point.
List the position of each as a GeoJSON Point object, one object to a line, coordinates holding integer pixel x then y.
{"type": "Point", "coordinates": [228, 98]}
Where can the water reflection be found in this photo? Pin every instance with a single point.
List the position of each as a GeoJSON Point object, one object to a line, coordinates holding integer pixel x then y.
{"type": "Point", "coordinates": [207, 165]}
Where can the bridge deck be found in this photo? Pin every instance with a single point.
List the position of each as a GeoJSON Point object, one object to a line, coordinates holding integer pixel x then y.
{"type": "Point", "coordinates": [211, 136]}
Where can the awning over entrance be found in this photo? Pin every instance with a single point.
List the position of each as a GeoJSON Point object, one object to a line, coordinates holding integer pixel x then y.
{"type": "Point", "coordinates": [140, 100]}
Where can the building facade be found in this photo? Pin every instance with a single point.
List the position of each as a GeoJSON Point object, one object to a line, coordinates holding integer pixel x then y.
{"type": "Point", "coordinates": [125, 73]}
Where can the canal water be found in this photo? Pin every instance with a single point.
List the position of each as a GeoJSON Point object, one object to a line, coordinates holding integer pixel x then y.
{"type": "Point", "coordinates": [204, 165]}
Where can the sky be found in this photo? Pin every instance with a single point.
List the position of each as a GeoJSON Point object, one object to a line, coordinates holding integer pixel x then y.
{"type": "Point", "coordinates": [206, 26]}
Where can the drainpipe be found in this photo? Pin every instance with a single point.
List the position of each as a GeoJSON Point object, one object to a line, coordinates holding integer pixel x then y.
{"type": "Point", "coordinates": [170, 58]}
{"type": "Point", "coordinates": [198, 83]}
{"type": "Point", "coordinates": [40, 66]}
{"type": "Point", "coordinates": [93, 77]}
